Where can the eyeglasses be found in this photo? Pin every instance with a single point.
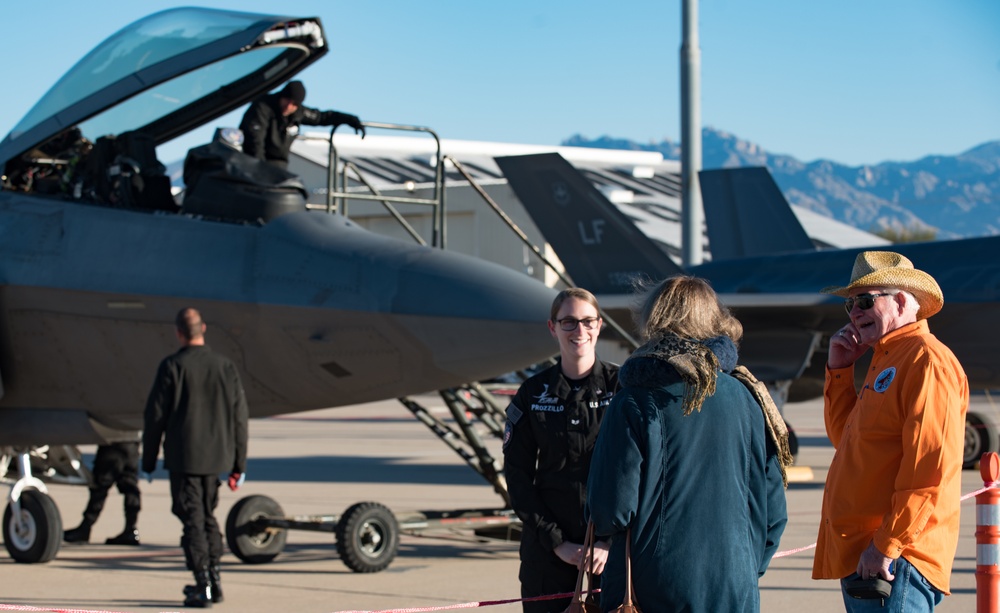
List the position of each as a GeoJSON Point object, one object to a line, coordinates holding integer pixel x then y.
{"type": "Point", "coordinates": [568, 324]}
{"type": "Point", "coordinates": [864, 301]}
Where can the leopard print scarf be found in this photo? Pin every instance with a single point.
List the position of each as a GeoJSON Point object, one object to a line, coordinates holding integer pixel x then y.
{"type": "Point", "coordinates": [695, 363]}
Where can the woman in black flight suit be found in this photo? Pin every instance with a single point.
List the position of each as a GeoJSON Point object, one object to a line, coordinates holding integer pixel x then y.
{"type": "Point", "coordinates": [552, 425]}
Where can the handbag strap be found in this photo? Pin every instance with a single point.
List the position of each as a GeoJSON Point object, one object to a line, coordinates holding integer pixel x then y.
{"type": "Point", "coordinates": [629, 590]}
{"type": "Point", "coordinates": [588, 548]}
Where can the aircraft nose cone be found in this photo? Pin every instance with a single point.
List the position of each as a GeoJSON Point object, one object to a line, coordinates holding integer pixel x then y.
{"type": "Point", "coordinates": [402, 313]}
{"type": "Point", "coordinates": [486, 319]}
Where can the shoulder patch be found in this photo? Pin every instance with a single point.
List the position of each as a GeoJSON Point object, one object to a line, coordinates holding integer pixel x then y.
{"type": "Point", "coordinates": [514, 414]}
{"type": "Point", "coordinates": [884, 378]}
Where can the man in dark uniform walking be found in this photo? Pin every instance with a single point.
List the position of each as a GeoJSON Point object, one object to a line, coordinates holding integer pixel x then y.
{"type": "Point", "coordinates": [198, 410]}
{"type": "Point", "coordinates": [115, 464]}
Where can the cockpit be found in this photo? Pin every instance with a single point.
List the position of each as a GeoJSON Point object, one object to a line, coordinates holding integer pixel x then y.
{"type": "Point", "coordinates": [92, 138]}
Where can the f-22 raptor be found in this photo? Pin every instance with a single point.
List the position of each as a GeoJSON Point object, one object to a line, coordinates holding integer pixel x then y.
{"type": "Point", "coordinates": [96, 256]}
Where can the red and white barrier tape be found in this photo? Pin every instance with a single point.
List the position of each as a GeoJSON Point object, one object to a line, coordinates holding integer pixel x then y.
{"type": "Point", "coordinates": [469, 605]}
{"type": "Point", "coordinates": [988, 486]}
{"type": "Point", "coordinates": [21, 607]}
{"type": "Point", "coordinates": [791, 552]}
{"type": "Point", "coordinates": [464, 605]}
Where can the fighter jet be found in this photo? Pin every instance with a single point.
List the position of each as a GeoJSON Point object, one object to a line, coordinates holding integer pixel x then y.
{"type": "Point", "coordinates": [766, 269]}
{"type": "Point", "coordinates": [98, 257]}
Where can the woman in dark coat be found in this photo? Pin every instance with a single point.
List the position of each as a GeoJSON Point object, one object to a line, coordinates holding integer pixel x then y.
{"type": "Point", "coordinates": [688, 461]}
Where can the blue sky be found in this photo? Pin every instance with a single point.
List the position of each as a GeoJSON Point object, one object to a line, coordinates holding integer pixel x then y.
{"type": "Point", "coordinates": [853, 81]}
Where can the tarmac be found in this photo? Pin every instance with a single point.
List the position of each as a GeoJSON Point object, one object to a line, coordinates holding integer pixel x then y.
{"type": "Point", "coordinates": [322, 462]}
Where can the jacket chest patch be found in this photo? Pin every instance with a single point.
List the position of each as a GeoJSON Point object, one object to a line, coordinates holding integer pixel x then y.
{"type": "Point", "coordinates": [884, 378]}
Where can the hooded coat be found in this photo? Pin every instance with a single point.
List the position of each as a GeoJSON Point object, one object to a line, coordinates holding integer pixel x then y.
{"type": "Point", "coordinates": [701, 492]}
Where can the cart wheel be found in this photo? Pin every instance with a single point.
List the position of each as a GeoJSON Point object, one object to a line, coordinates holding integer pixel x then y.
{"type": "Point", "coordinates": [40, 533]}
{"type": "Point", "coordinates": [980, 437]}
{"type": "Point", "coordinates": [367, 537]}
{"type": "Point", "coordinates": [250, 542]}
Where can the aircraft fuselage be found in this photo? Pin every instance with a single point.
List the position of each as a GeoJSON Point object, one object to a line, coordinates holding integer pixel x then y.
{"type": "Point", "coordinates": [316, 312]}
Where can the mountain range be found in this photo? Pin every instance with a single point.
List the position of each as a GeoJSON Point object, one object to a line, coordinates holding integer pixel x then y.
{"type": "Point", "coordinates": [941, 196]}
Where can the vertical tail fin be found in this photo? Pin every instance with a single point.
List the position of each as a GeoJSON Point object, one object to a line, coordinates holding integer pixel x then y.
{"type": "Point", "coordinates": [747, 215]}
{"type": "Point", "coordinates": [600, 247]}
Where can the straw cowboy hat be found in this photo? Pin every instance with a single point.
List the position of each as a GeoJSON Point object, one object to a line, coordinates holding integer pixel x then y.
{"type": "Point", "coordinates": [892, 270]}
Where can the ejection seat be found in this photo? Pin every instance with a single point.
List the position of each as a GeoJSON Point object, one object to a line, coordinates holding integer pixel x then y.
{"type": "Point", "coordinates": [222, 182]}
{"type": "Point", "coordinates": [123, 171]}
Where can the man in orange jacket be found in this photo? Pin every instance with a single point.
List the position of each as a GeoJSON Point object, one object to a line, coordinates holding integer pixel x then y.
{"type": "Point", "coordinates": [891, 505]}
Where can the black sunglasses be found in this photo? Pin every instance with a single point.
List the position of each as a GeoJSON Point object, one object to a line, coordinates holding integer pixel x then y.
{"type": "Point", "coordinates": [864, 301]}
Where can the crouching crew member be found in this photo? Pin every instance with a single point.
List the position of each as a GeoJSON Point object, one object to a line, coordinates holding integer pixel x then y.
{"type": "Point", "coordinates": [115, 464]}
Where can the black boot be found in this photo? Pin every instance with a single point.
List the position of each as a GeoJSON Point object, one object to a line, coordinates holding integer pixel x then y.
{"type": "Point", "coordinates": [130, 536]}
{"type": "Point", "coordinates": [214, 582]}
{"type": "Point", "coordinates": [201, 596]}
{"type": "Point", "coordinates": [80, 534]}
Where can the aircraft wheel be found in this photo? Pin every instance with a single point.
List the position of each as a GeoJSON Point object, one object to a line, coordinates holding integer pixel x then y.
{"type": "Point", "coordinates": [367, 537]}
{"type": "Point", "coordinates": [980, 437]}
{"type": "Point", "coordinates": [251, 543]}
{"type": "Point", "coordinates": [41, 530]}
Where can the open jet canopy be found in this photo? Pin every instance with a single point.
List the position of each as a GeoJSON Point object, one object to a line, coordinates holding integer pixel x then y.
{"type": "Point", "coordinates": [170, 73]}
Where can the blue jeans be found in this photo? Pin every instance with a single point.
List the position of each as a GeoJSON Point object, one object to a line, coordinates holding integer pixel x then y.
{"type": "Point", "coordinates": [911, 593]}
